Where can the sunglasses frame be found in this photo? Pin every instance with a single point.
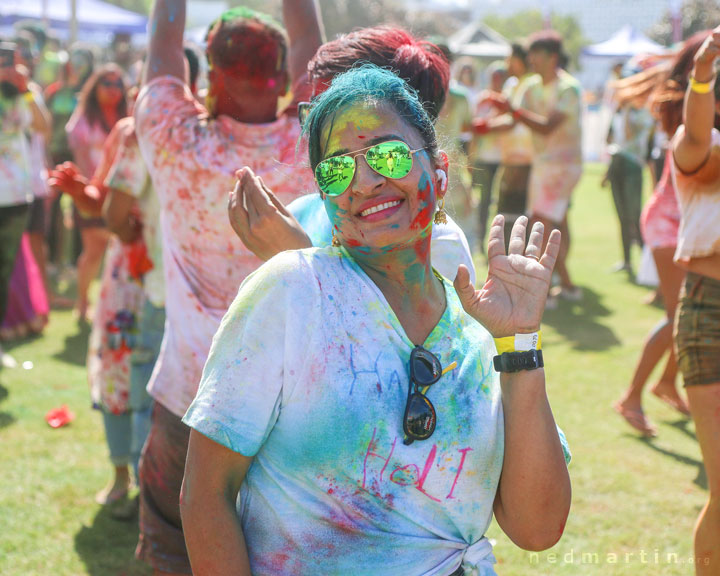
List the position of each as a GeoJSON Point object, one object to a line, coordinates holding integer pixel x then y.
{"type": "Point", "coordinates": [421, 354]}
{"type": "Point", "coordinates": [109, 84]}
{"type": "Point", "coordinates": [363, 152]}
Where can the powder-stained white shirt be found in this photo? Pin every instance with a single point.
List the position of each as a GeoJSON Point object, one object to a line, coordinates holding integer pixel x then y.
{"type": "Point", "coordinates": [309, 374]}
{"type": "Point", "coordinates": [192, 160]}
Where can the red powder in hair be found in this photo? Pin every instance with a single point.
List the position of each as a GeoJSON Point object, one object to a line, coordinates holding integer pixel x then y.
{"type": "Point", "coordinates": [248, 49]}
{"type": "Point", "coordinates": [420, 63]}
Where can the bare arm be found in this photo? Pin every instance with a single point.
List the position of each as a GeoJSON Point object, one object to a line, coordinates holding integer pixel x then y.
{"type": "Point", "coordinates": [537, 123]}
{"type": "Point", "coordinates": [305, 32]}
{"type": "Point", "coordinates": [692, 146]}
{"type": "Point", "coordinates": [165, 51]}
{"type": "Point", "coordinates": [533, 499]}
{"type": "Point", "coordinates": [502, 123]}
{"type": "Point", "coordinates": [214, 537]}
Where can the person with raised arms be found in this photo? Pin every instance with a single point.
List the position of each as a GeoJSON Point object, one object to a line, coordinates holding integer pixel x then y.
{"type": "Point", "coordinates": [191, 153]}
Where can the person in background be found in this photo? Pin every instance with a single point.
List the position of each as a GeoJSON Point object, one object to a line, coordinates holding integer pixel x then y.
{"type": "Point", "coordinates": [696, 168]}
{"type": "Point", "coordinates": [454, 125]}
{"type": "Point", "coordinates": [516, 146]}
{"type": "Point", "coordinates": [27, 310]}
{"type": "Point", "coordinates": [629, 139]}
{"type": "Point", "coordinates": [485, 151]}
{"type": "Point", "coordinates": [132, 212]}
{"type": "Point", "coordinates": [61, 97]}
{"type": "Point", "coordinates": [192, 153]}
{"type": "Point", "coordinates": [36, 228]}
{"type": "Point", "coordinates": [102, 102]}
{"type": "Point", "coordinates": [21, 112]}
{"type": "Point", "coordinates": [466, 77]}
{"type": "Point", "coordinates": [49, 59]}
{"type": "Point", "coordinates": [121, 51]}
{"type": "Point", "coordinates": [113, 334]}
{"type": "Point", "coordinates": [663, 88]}
{"type": "Point", "coordinates": [551, 106]}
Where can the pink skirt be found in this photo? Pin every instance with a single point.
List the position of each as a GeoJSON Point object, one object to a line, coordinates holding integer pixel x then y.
{"type": "Point", "coordinates": [27, 299]}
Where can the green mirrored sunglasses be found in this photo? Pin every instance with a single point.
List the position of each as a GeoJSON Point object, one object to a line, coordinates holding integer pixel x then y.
{"type": "Point", "coordinates": [392, 159]}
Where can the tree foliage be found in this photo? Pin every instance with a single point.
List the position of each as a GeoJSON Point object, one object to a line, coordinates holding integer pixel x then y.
{"type": "Point", "coordinates": [341, 16]}
{"type": "Point", "coordinates": [139, 6]}
{"type": "Point", "coordinates": [696, 15]}
{"type": "Point", "coordinates": [520, 25]}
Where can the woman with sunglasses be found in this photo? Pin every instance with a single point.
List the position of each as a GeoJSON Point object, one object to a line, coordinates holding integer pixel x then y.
{"type": "Point", "coordinates": [349, 419]}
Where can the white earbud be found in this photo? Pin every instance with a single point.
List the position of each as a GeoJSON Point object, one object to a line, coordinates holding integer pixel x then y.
{"type": "Point", "coordinates": [442, 177]}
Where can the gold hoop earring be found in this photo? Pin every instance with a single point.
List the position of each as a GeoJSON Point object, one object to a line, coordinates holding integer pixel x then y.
{"type": "Point", "coordinates": [335, 240]}
{"type": "Point", "coordinates": [441, 215]}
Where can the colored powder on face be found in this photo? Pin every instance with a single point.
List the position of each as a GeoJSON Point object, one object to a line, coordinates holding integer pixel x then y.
{"type": "Point", "coordinates": [425, 194]}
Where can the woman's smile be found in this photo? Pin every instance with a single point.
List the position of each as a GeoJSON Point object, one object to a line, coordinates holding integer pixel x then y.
{"type": "Point", "coordinates": [379, 209]}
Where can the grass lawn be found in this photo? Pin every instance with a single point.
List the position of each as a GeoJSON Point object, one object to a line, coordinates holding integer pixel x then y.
{"type": "Point", "coordinates": [635, 501]}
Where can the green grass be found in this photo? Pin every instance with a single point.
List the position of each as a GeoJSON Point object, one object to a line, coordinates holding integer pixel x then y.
{"type": "Point", "coordinates": [631, 496]}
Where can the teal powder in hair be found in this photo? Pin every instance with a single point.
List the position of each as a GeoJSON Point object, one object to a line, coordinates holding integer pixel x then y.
{"type": "Point", "coordinates": [367, 84]}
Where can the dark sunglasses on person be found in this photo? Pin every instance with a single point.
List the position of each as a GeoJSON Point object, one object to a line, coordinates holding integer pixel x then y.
{"type": "Point", "coordinates": [105, 83]}
{"type": "Point", "coordinates": [420, 418]}
{"type": "Point", "coordinates": [391, 159]}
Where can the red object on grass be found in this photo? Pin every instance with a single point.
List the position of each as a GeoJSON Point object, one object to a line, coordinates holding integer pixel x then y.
{"type": "Point", "coordinates": [58, 417]}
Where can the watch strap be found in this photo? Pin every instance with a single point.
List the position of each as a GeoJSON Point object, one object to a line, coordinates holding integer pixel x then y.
{"type": "Point", "coordinates": [518, 361]}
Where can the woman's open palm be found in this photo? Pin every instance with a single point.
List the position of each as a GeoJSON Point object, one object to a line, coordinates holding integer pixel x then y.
{"type": "Point", "coordinates": [512, 300]}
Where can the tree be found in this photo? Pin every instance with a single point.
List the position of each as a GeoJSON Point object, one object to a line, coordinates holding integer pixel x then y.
{"type": "Point", "coordinates": [139, 6]}
{"type": "Point", "coordinates": [696, 15]}
{"type": "Point", "coordinates": [520, 25]}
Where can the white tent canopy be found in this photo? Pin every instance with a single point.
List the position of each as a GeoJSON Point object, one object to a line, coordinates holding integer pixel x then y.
{"type": "Point", "coordinates": [479, 40]}
{"type": "Point", "coordinates": [624, 43]}
{"type": "Point", "coordinates": [92, 15]}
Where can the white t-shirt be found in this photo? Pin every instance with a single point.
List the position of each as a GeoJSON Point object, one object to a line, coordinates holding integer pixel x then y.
{"type": "Point", "coordinates": [564, 94]}
{"type": "Point", "coordinates": [192, 160]}
{"type": "Point", "coordinates": [309, 374]}
{"type": "Point", "coordinates": [449, 246]}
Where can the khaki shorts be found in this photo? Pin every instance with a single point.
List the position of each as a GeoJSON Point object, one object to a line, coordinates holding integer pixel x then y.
{"type": "Point", "coordinates": [697, 330]}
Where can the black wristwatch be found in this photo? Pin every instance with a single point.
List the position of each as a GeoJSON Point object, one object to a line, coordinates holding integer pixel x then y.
{"type": "Point", "coordinates": [517, 361]}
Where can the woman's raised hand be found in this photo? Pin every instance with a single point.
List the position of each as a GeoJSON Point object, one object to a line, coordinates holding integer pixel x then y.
{"type": "Point", "coordinates": [260, 220]}
{"type": "Point", "coordinates": [512, 300]}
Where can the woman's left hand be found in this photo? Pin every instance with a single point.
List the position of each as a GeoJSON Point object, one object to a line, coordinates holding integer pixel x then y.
{"type": "Point", "coordinates": [512, 300]}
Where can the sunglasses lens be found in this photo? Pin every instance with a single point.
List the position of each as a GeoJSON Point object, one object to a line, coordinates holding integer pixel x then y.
{"type": "Point", "coordinates": [335, 174]}
{"type": "Point", "coordinates": [390, 159]}
{"type": "Point", "coordinates": [419, 422]}
{"type": "Point", "coordinates": [425, 368]}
